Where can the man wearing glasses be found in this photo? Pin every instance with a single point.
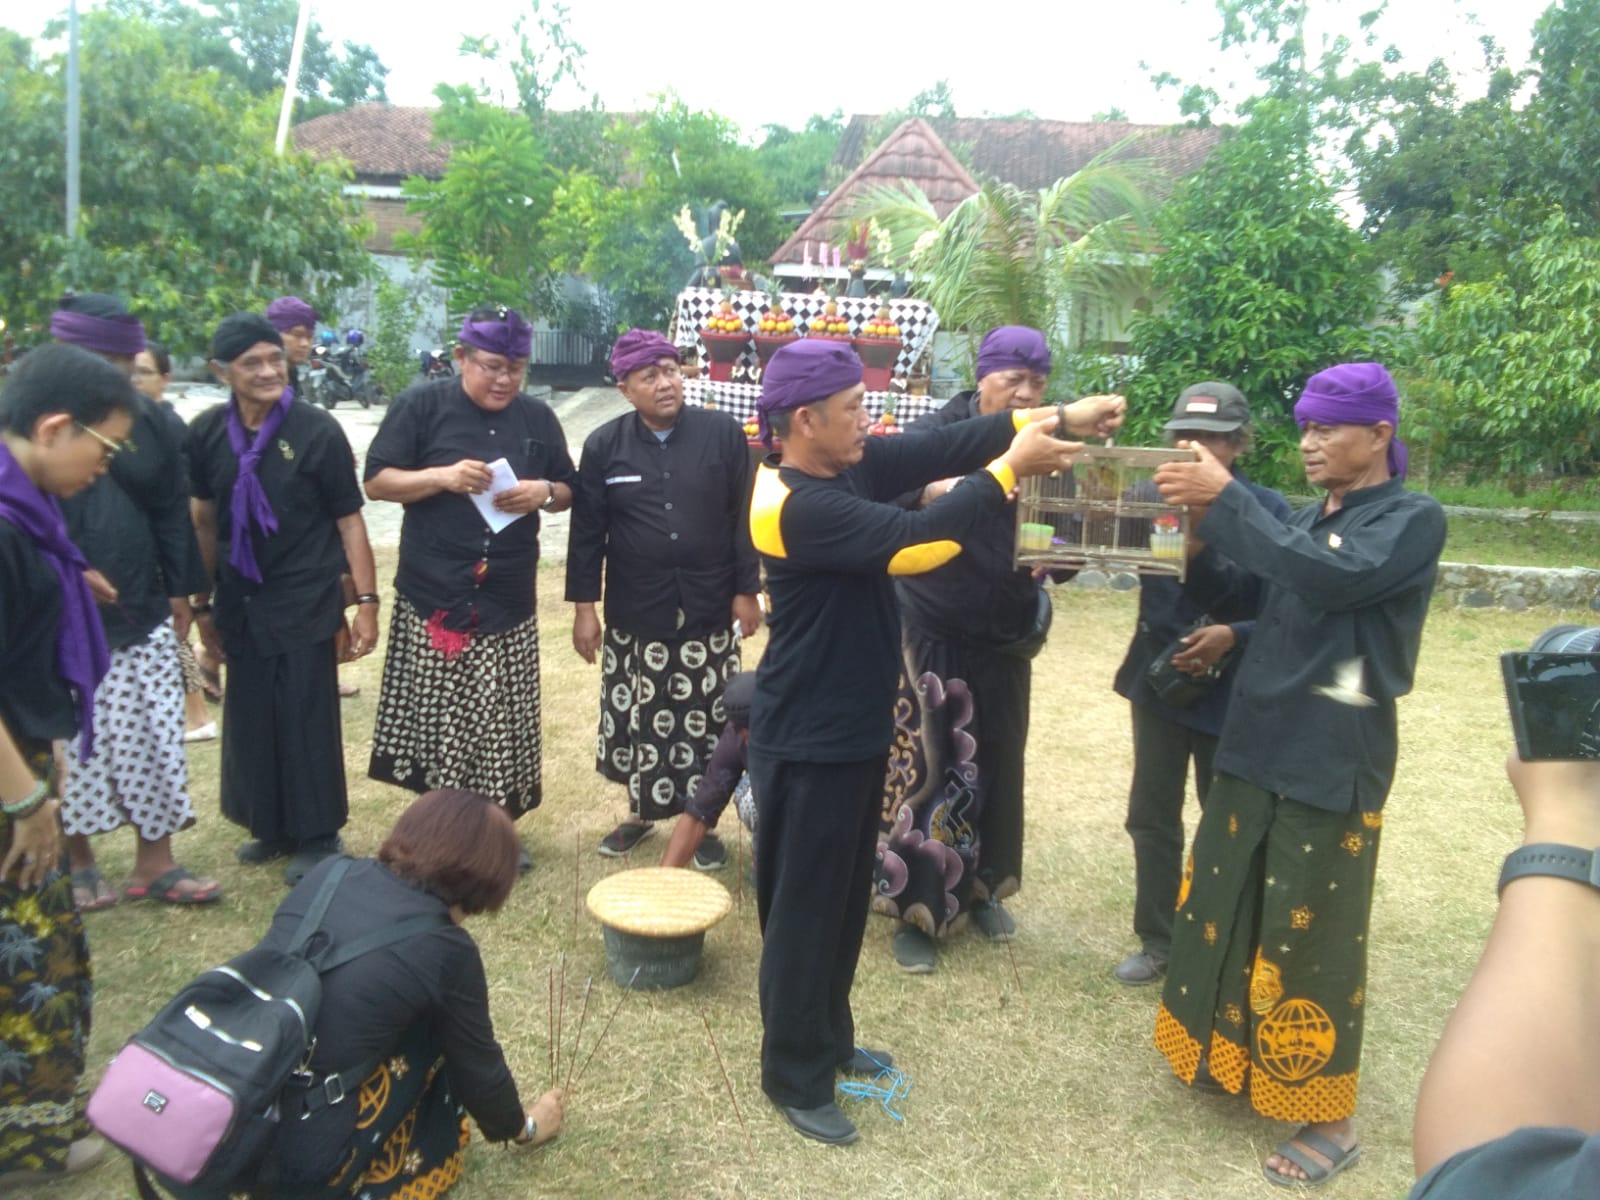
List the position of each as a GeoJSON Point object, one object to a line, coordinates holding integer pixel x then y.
{"type": "Point", "coordinates": [474, 461]}
{"type": "Point", "coordinates": [662, 512]}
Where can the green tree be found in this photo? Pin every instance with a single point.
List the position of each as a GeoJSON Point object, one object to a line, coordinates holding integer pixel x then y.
{"type": "Point", "coordinates": [1522, 355]}
{"type": "Point", "coordinates": [798, 161]}
{"type": "Point", "coordinates": [1008, 256]}
{"type": "Point", "coordinates": [482, 221]}
{"type": "Point", "coordinates": [1261, 283]}
{"type": "Point", "coordinates": [396, 311]}
{"type": "Point", "coordinates": [622, 237]}
{"type": "Point", "coordinates": [178, 174]}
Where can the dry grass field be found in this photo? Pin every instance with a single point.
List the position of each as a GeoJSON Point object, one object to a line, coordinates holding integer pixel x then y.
{"type": "Point", "coordinates": [1050, 1089]}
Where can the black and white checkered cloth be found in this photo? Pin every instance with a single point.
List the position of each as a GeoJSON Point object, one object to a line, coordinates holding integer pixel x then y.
{"type": "Point", "coordinates": [916, 318]}
{"type": "Point", "coordinates": [739, 399]}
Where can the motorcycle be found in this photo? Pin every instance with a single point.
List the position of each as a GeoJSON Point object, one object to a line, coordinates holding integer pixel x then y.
{"type": "Point", "coordinates": [313, 375]}
{"type": "Point", "coordinates": [437, 364]}
{"type": "Point", "coordinates": [346, 376]}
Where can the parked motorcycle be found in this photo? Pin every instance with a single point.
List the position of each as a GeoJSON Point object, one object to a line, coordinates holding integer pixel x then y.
{"type": "Point", "coordinates": [437, 364]}
{"type": "Point", "coordinates": [346, 376]}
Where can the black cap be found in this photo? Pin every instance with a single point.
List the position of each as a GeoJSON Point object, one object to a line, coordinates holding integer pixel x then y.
{"type": "Point", "coordinates": [1209, 408]}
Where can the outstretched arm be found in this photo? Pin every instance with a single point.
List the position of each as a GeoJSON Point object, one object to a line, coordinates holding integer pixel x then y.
{"type": "Point", "coordinates": [1520, 1049]}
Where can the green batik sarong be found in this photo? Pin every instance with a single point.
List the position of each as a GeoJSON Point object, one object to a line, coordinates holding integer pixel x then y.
{"type": "Point", "coordinates": [1268, 974]}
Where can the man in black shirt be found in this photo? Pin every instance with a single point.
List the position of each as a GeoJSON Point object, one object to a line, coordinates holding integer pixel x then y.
{"type": "Point", "coordinates": [278, 512]}
{"type": "Point", "coordinates": [833, 540]}
{"type": "Point", "coordinates": [660, 509]}
{"type": "Point", "coordinates": [1267, 981]}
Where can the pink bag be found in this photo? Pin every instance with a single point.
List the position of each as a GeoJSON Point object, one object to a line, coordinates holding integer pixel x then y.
{"type": "Point", "coordinates": [161, 1115]}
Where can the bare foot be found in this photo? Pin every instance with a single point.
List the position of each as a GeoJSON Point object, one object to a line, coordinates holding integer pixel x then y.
{"type": "Point", "coordinates": [1340, 1133]}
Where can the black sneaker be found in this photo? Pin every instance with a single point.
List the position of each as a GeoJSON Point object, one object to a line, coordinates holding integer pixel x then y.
{"type": "Point", "coordinates": [993, 921]}
{"type": "Point", "coordinates": [624, 838]}
{"type": "Point", "coordinates": [259, 850]}
{"type": "Point", "coordinates": [712, 854]}
{"type": "Point", "coordinates": [308, 855]}
{"type": "Point", "coordinates": [914, 950]}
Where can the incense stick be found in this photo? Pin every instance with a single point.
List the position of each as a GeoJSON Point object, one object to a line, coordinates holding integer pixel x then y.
{"type": "Point", "coordinates": [1013, 956]}
{"type": "Point", "coordinates": [551, 1042]}
{"type": "Point", "coordinates": [583, 1015]}
{"type": "Point", "coordinates": [728, 1083]}
{"type": "Point", "coordinates": [561, 1012]}
{"type": "Point", "coordinates": [577, 872]}
{"type": "Point", "coordinates": [595, 1048]}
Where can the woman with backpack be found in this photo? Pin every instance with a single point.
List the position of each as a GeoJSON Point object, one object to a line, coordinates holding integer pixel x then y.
{"type": "Point", "coordinates": [63, 415]}
{"type": "Point", "coordinates": [418, 1008]}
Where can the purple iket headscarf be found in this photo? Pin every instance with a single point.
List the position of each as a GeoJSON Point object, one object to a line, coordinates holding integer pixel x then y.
{"type": "Point", "coordinates": [508, 334]}
{"type": "Point", "coordinates": [1358, 393]}
{"type": "Point", "coordinates": [803, 373]}
{"type": "Point", "coordinates": [1013, 347]}
{"type": "Point", "coordinates": [640, 348]}
{"type": "Point", "coordinates": [288, 311]}
{"type": "Point", "coordinates": [81, 654]}
{"type": "Point", "coordinates": [103, 335]}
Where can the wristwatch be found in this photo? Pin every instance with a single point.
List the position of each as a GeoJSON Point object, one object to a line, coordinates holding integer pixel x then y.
{"type": "Point", "coordinates": [550, 500]}
{"type": "Point", "coordinates": [530, 1130]}
{"type": "Point", "coordinates": [1551, 858]}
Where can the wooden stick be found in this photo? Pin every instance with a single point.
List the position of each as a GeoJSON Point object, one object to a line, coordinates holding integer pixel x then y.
{"type": "Point", "coordinates": [728, 1083]}
{"type": "Point", "coordinates": [1013, 955]}
{"type": "Point", "coordinates": [593, 1049]}
{"type": "Point", "coordinates": [583, 1015]}
{"type": "Point", "coordinates": [551, 1011]}
{"type": "Point", "coordinates": [561, 1012]}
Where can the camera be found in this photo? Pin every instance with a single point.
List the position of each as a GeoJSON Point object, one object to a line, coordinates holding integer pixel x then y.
{"type": "Point", "coordinates": [1553, 690]}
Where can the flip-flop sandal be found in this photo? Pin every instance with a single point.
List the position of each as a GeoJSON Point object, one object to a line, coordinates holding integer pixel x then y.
{"type": "Point", "coordinates": [165, 889]}
{"type": "Point", "coordinates": [87, 881]}
{"type": "Point", "coordinates": [1338, 1159]}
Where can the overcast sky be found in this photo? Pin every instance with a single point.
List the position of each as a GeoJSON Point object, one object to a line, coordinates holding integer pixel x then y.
{"type": "Point", "coordinates": [1065, 61]}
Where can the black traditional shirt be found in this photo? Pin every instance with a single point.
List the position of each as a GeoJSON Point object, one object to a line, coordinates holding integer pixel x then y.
{"type": "Point", "coordinates": [133, 526]}
{"type": "Point", "coordinates": [369, 1004]}
{"type": "Point", "coordinates": [981, 596]}
{"type": "Point", "coordinates": [668, 520]}
{"type": "Point", "coordinates": [832, 549]}
{"type": "Point", "coordinates": [35, 702]}
{"type": "Point", "coordinates": [450, 561]}
{"type": "Point", "coordinates": [1351, 587]}
{"type": "Point", "coordinates": [309, 477]}
{"type": "Point", "coordinates": [1165, 612]}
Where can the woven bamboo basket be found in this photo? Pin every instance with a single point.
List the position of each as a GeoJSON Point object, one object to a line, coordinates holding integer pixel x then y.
{"type": "Point", "coordinates": [655, 921]}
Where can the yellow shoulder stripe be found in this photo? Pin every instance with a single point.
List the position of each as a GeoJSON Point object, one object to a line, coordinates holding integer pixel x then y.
{"type": "Point", "coordinates": [923, 557]}
{"type": "Point", "coordinates": [766, 511]}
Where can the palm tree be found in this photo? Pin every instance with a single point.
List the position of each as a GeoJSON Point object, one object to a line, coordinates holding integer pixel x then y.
{"type": "Point", "coordinates": [1010, 256]}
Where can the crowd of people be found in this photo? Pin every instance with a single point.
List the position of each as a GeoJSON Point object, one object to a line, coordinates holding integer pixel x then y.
{"type": "Point", "coordinates": [876, 751]}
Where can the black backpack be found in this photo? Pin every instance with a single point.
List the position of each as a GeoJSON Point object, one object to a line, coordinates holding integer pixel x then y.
{"type": "Point", "coordinates": [198, 1096]}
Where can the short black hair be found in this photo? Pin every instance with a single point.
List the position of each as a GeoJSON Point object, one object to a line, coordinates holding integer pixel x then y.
{"type": "Point", "coordinates": [159, 352]}
{"type": "Point", "coordinates": [58, 378]}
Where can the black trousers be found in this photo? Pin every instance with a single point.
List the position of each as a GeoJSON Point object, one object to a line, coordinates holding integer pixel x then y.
{"type": "Point", "coordinates": [1162, 750]}
{"type": "Point", "coordinates": [283, 745]}
{"type": "Point", "coordinates": [814, 861]}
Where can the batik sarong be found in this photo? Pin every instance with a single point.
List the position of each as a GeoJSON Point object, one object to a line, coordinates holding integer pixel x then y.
{"type": "Point", "coordinates": [661, 714]}
{"type": "Point", "coordinates": [461, 711]}
{"type": "Point", "coordinates": [1268, 975]}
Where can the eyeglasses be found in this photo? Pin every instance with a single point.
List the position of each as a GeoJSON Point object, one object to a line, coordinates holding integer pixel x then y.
{"type": "Point", "coordinates": [513, 370]}
{"type": "Point", "coordinates": [112, 448]}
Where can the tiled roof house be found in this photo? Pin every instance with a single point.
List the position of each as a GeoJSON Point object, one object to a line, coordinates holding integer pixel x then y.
{"type": "Point", "coordinates": [383, 143]}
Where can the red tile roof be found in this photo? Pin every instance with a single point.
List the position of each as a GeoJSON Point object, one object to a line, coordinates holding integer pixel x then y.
{"type": "Point", "coordinates": [1034, 154]}
{"type": "Point", "coordinates": [913, 153]}
{"type": "Point", "coordinates": [384, 143]}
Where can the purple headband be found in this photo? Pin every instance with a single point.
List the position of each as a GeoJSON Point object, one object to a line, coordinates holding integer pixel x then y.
{"type": "Point", "coordinates": [640, 348]}
{"type": "Point", "coordinates": [103, 335]}
{"type": "Point", "coordinates": [508, 334]}
{"type": "Point", "coordinates": [803, 373]}
{"type": "Point", "coordinates": [288, 311]}
{"type": "Point", "coordinates": [1359, 393]}
{"type": "Point", "coordinates": [1011, 347]}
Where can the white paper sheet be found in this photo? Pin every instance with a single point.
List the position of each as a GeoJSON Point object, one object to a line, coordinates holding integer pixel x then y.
{"type": "Point", "coordinates": [504, 478]}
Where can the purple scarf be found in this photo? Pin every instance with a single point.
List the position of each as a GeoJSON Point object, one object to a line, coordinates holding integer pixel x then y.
{"type": "Point", "coordinates": [81, 654]}
{"type": "Point", "coordinates": [250, 505]}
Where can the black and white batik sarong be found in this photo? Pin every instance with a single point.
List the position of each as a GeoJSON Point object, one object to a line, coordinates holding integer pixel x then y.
{"type": "Point", "coordinates": [139, 772]}
{"type": "Point", "coordinates": [661, 714]}
{"type": "Point", "coordinates": [460, 711]}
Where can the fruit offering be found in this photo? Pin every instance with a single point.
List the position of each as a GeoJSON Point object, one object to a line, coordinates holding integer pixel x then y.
{"type": "Point", "coordinates": [775, 321]}
{"type": "Point", "coordinates": [725, 320]}
{"type": "Point", "coordinates": [881, 325]}
{"type": "Point", "coordinates": [830, 322]}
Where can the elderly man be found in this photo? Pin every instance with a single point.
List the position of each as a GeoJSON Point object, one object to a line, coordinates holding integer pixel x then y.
{"type": "Point", "coordinates": [659, 510]}
{"type": "Point", "coordinates": [1267, 981]}
{"type": "Point", "coordinates": [278, 512]}
{"type": "Point", "coordinates": [1168, 736]}
{"type": "Point", "coordinates": [476, 461]}
{"type": "Point", "coordinates": [833, 540]}
{"type": "Point", "coordinates": [297, 322]}
{"type": "Point", "coordinates": [972, 627]}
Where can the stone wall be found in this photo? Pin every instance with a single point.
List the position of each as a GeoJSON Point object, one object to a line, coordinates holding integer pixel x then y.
{"type": "Point", "coordinates": [1465, 584]}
